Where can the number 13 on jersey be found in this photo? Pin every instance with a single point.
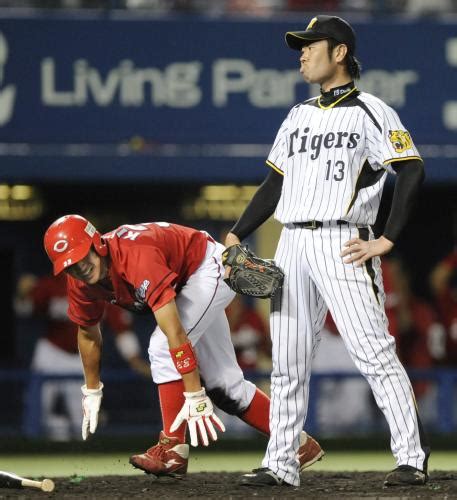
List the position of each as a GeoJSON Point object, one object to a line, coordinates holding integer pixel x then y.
{"type": "Point", "coordinates": [335, 170]}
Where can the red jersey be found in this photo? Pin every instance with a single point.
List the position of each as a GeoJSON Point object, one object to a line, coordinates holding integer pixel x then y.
{"type": "Point", "coordinates": [249, 334]}
{"type": "Point", "coordinates": [391, 302]}
{"type": "Point", "coordinates": [413, 344]}
{"type": "Point", "coordinates": [49, 298]}
{"type": "Point", "coordinates": [447, 306]}
{"type": "Point", "coordinates": [148, 264]}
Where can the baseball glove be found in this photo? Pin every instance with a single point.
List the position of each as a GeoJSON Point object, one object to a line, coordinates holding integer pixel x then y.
{"type": "Point", "coordinates": [251, 275]}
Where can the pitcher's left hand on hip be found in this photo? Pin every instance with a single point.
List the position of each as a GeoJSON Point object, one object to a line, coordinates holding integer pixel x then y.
{"type": "Point", "coordinates": [359, 251]}
{"type": "Point", "coordinates": [198, 411]}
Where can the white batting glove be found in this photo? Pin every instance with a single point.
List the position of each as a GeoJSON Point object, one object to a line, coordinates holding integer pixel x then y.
{"type": "Point", "coordinates": [92, 399]}
{"type": "Point", "coordinates": [199, 413]}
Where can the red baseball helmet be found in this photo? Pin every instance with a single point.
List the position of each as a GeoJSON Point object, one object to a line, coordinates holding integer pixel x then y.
{"type": "Point", "coordinates": [69, 239]}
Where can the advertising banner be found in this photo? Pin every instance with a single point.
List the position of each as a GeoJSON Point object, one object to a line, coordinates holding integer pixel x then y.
{"type": "Point", "coordinates": [107, 82]}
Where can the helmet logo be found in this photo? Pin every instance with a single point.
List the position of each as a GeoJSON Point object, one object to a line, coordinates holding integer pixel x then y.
{"type": "Point", "coordinates": [60, 246]}
{"type": "Point", "coordinates": [90, 229]}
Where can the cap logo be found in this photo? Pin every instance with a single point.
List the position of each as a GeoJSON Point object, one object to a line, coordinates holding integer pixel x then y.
{"type": "Point", "coordinates": [311, 23]}
{"type": "Point", "coordinates": [90, 229]}
{"type": "Point", "coordinates": [60, 246]}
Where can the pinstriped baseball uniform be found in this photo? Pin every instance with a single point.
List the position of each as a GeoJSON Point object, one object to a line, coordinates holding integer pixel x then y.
{"type": "Point", "coordinates": [335, 159]}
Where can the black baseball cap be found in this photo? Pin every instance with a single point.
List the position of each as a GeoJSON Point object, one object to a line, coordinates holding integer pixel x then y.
{"type": "Point", "coordinates": [321, 28]}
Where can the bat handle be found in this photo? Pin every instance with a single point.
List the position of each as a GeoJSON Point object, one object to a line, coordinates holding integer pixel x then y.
{"type": "Point", "coordinates": [45, 485]}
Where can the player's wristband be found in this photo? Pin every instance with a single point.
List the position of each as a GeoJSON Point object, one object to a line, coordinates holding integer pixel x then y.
{"type": "Point", "coordinates": [184, 358]}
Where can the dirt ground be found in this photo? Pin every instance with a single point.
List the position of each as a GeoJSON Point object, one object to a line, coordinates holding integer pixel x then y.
{"type": "Point", "coordinates": [315, 485]}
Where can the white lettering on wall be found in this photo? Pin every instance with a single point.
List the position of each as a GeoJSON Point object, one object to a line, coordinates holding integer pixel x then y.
{"type": "Point", "coordinates": [175, 86]}
{"type": "Point", "coordinates": [264, 88]}
{"type": "Point", "coordinates": [390, 86]}
{"type": "Point", "coordinates": [178, 85]}
{"type": "Point", "coordinates": [449, 114]}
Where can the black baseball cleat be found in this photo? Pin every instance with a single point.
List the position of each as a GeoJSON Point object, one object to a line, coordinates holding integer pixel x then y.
{"type": "Point", "coordinates": [262, 477]}
{"type": "Point", "coordinates": [404, 475]}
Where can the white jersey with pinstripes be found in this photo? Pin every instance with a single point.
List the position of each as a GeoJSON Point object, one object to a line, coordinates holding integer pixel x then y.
{"type": "Point", "coordinates": [335, 159]}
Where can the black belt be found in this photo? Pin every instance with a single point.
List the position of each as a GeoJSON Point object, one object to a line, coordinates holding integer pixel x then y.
{"type": "Point", "coordinates": [315, 224]}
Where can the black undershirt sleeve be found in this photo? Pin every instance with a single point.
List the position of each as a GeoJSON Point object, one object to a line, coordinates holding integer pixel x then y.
{"type": "Point", "coordinates": [410, 175]}
{"type": "Point", "coordinates": [262, 205]}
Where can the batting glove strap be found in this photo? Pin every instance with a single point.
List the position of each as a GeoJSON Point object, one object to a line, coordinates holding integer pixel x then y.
{"type": "Point", "coordinates": [195, 395]}
{"type": "Point", "coordinates": [198, 412]}
{"type": "Point", "coordinates": [92, 392]}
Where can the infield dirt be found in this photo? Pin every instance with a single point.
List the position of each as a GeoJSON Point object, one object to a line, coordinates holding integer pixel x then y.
{"type": "Point", "coordinates": [315, 485]}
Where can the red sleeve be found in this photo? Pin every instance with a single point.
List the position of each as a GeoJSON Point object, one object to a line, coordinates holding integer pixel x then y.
{"type": "Point", "coordinates": [151, 276]}
{"type": "Point", "coordinates": [118, 319]}
{"type": "Point", "coordinates": [451, 260]}
{"type": "Point", "coordinates": [424, 317]}
{"type": "Point", "coordinates": [256, 321]}
{"type": "Point", "coordinates": [446, 305]}
{"type": "Point", "coordinates": [84, 309]}
{"type": "Point", "coordinates": [40, 295]}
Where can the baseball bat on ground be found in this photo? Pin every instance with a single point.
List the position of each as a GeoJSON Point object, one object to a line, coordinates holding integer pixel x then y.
{"type": "Point", "coordinates": [9, 480]}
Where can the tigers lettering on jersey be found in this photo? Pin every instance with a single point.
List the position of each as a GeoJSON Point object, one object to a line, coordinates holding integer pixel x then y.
{"type": "Point", "coordinates": [315, 142]}
{"type": "Point", "coordinates": [336, 165]}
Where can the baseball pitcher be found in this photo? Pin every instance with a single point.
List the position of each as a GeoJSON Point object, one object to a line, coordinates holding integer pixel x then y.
{"type": "Point", "coordinates": [329, 163]}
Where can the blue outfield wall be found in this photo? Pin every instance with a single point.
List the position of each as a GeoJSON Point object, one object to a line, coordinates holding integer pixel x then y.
{"type": "Point", "coordinates": [134, 408]}
{"type": "Point", "coordinates": [75, 91]}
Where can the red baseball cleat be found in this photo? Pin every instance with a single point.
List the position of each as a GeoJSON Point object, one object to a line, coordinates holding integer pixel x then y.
{"type": "Point", "coordinates": [168, 457]}
{"type": "Point", "coordinates": [310, 451]}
